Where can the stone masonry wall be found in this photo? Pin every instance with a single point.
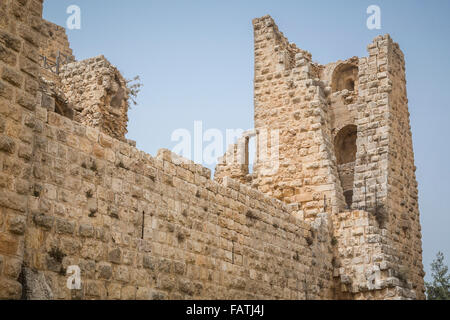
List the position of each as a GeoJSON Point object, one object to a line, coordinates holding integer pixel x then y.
{"type": "Point", "coordinates": [54, 47]}
{"type": "Point", "coordinates": [289, 97]}
{"type": "Point", "coordinates": [235, 162]}
{"type": "Point", "coordinates": [314, 107]}
{"type": "Point", "coordinates": [20, 23]}
{"type": "Point", "coordinates": [74, 191]}
{"type": "Point", "coordinates": [404, 220]}
{"type": "Point", "coordinates": [99, 94]}
{"type": "Point", "coordinates": [363, 267]}
{"type": "Point", "coordinates": [138, 227]}
{"type": "Point", "coordinates": [146, 228]}
{"type": "Point", "coordinates": [54, 41]}
{"type": "Point", "coordinates": [384, 181]}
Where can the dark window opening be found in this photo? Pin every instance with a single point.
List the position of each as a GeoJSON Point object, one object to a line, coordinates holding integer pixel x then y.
{"type": "Point", "coordinates": [348, 195]}
{"type": "Point", "coordinates": [345, 145]}
{"type": "Point", "coordinates": [345, 76]}
{"type": "Point", "coordinates": [345, 150]}
{"type": "Point", "coordinates": [350, 85]}
{"type": "Point", "coordinates": [62, 108]}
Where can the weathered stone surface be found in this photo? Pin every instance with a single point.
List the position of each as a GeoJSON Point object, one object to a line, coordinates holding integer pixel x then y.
{"type": "Point", "coordinates": [149, 263]}
{"type": "Point", "coordinates": [27, 101]}
{"type": "Point", "coordinates": [87, 231]}
{"type": "Point", "coordinates": [9, 244]}
{"type": "Point", "coordinates": [10, 290]}
{"type": "Point", "coordinates": [63, 226]}
{"type": "Point", "coordinates": [43, 221]}
{"type": "Point", "coordinates": [105, 105]}
{"type": "Point", "coordinates": [10, 40]}
{"type": "Point", "coordinates": [7, 144]}
{"type": "Point", "coordinates": [7, 56]}
{"type": "Point", "coordinates": [105, 271]}
{"type": "Point", "coordinates": [13, 77]}
{"type": "Point", "coordinates": [17, 225]}
{"type": "Point", "coordinates": [157, 228]}
{"type": "Point", "coordinates": [115, 256]}
{"type": "Point", "coordinates": [36, 286]}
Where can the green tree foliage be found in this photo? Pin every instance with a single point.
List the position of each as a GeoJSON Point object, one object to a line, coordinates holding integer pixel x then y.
{"type": "Point", "coordinates": [439, 288]}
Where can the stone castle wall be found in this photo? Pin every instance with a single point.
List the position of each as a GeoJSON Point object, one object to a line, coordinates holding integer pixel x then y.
{"type": "Point", "coordinates": [404, 222]}
{"type": "Point", "coordinates": [138, 227]}
{"type": "Point", "coordinates": [20, 22]}
{"type": "Point", "coordinates": [54, 42]}
{"type": "Point", "coordinates": [98, 93]}
{"type": "Point", "coordinates": [363, 260]}
{"type": "Point", "coordinates": [74, 191]}
{"type": "Point", "coordinates": [146, 228]}
{"type": "Point", "coordinates": [54, 48]}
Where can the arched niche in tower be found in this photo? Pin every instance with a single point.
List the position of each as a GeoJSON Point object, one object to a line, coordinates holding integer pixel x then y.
{"type": "Point", "coordinates": [345, 144]}
{"type": "Point", "coordinates": [345, 151]}
{"type": "Point", "coordinates": [345, 76]}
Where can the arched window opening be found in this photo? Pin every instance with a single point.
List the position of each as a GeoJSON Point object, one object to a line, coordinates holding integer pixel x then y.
{"type": "Point", "coordinates": [348, 195]}
{"type": "Point", "coordinates": [345, 76]}
{"type": "Point", "coordinates": [345, 151]}
{"type": "Point", "coordinates": [345, 145]}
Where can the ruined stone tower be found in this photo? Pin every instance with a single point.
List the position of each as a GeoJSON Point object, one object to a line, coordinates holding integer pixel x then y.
{"type": "Point", "coordinates": [344, 139]}
{"type": "Point", "coordinates": [329, 212]}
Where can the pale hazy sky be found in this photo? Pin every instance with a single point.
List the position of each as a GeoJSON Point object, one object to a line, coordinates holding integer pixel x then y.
{"type": "Point", "coordinates": [195, 59]}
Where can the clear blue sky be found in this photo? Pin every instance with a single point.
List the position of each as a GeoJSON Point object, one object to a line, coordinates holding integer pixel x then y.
{"type": "Point", "coordinates": [195, 59]}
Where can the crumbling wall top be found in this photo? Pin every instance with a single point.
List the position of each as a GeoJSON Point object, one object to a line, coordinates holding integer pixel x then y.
{"type": "Point", "coordinates": [98, 93]}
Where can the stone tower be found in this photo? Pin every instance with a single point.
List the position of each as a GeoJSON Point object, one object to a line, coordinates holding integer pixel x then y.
{"type": "Point", "coordinates": [343, 140]}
